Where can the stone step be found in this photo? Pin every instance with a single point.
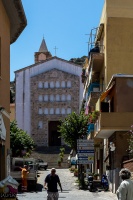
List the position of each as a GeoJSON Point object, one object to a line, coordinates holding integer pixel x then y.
{"type": "Point", "coordinates": [51, 159]}
{"type": "Point", "coordinates": [52, 149]}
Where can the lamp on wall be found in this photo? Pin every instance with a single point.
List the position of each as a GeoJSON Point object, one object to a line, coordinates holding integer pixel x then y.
{"type": "Point", "coordinates": [112, 146]}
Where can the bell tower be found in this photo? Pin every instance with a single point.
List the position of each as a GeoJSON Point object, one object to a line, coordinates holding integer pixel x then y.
{"type": "Point", "coordinates": [43, 53]}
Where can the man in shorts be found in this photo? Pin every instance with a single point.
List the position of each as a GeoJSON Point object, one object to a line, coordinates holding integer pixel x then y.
{"type": "Point", "coordinates": [50, 184]}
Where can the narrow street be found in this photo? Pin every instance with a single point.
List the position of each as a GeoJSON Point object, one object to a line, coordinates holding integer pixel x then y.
{"type": "Point", "coordinates": [70, 190]}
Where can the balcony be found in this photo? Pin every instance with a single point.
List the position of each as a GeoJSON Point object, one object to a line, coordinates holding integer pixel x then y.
{"type": "Point", "coordinates": [93, 93]}
{"type": "Point", "coordinates": [108, 123]}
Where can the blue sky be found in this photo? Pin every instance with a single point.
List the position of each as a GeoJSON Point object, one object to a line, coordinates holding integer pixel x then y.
{"type": "Point", "coordinates": [63, 23]}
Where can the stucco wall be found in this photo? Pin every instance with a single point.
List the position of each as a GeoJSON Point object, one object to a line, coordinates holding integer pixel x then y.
{"type": "Point", "coordinates": [5, 80]}
{"type": "Point", "coordinates": [119, 46]}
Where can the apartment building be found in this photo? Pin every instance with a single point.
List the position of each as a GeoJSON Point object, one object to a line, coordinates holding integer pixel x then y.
{"type": "Point", "coordinates": [108, 81]}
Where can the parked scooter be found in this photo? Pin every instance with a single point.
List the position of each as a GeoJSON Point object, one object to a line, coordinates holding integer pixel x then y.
{"type": "Point", "coordinates": [91, 184]}
{"type": "Point", "coordinates": [104, 182]}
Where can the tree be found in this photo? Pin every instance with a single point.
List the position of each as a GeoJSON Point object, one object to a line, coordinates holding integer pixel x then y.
{"type": "Point", "coordinates": [72, 128]}
{"type": "Point", "coordinates": [20, 141]}
{"type": "Point", "coordinates": [78, 61]}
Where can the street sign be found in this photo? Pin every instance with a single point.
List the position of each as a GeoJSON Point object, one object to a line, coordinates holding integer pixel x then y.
{"type": "Point", "coordinates": [85, 154]}
{"type": "Point", "coordinates": [85, 148]}
{"type": "Point", "coordinates": [85, 141]}
{"type": "Point", "coordinates": [85, 162]}
{"type": "Point", "coordinates": [85, 144]}
{"type": "Point", "coordinates": [85, 151]}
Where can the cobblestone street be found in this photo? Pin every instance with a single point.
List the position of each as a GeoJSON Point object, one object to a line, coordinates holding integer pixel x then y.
{"type": "Point", "coordinates": [70, 190]}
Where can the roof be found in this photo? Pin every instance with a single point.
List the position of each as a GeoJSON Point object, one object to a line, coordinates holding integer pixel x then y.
{"type": "Point", "coordinates": [16, 14]}
{"type": "Point", "coordinates": [118, 76]}
{"type": "Point", "coordinates": [47, 60]}
{"type": "Point", "coordinates": [43, 47]}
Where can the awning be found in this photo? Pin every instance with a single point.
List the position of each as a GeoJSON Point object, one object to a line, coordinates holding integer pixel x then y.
{"type": "Point", "coordinates": [2, 128]}
{"type": "Point", "coordinates": [105, 94]}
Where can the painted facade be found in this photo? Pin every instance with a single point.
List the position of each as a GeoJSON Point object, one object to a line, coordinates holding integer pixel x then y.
{"type": "Point", "coordinates": [12, 23]}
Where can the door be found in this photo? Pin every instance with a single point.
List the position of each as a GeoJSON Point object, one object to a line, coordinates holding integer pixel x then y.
{"type": "Point", "coordinates": [54, 135]}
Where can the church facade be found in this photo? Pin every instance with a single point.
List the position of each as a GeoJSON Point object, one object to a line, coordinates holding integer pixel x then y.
{"type": "Point", "coordinates": [46, 92]}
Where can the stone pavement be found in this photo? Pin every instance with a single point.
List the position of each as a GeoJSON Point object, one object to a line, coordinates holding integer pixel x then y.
{"type": "Point", "coordinates": [70, 190]}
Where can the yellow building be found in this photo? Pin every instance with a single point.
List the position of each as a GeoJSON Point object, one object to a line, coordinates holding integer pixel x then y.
{"type": "Point", "coordinates": [12, 23]}
{"type": "Point", "coordinates": [12, 112]}
{"type": "Point", "coordinates": [108, 84]}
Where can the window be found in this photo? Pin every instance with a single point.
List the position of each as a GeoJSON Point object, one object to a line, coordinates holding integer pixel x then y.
{"type": "Point", "coordinates": [63, 84]}
{"type": "Point", "coordinates": [68, 97]}
{"type": "Point", "coordinates": [46, 111]}
{"type": "Point", "coordinates": [40, 125]}
{"type": "Point", "coordinates": [52, 84]}
{"type": "Point", "coordinates": [68, 84]}
{"type": "Point", "coordinates": [51, 111]}
{"type": "Point", "coordinates": [46, 84]}
{"type": "Point", "coordinates": [40, 111]}
{"type": "Point", "coordinates": [68, 110]}
{"type": "Point", "coordinates": [57, 97]}
{"type": "Point", "coordinates": [57, 111]}
{"type": "Point", "coordinates": [45, 97]}
{"type": "Point", "coordinates": [57, 84]}
{"type": "Point", "coordinates": [63, 111]}
{"type": "Point", "coordinates": [40, 98]}
{"type": "Point", "coordinates": [51, 97]}
{"type": "Point", "coordinates": [63, 97]}
{"type": "Point", "coordinates": [40, 84]}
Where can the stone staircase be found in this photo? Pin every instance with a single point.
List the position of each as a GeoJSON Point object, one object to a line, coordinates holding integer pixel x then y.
{"type": "Point", "coordinates": [51, 155]}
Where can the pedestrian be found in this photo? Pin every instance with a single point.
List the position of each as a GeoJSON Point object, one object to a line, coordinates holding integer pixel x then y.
{"type": "Point", "coordinates": [50, 184]}
{"type": "Point", "coordinates": [125, 190]}
{"type": "Point", "coordinates": [24, 174]}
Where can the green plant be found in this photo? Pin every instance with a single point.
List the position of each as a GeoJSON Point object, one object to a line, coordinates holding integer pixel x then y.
{"type": "Point", "coordinates": [71, 169]}
{"type": "Point", "coordinates": [59, 162]}
{"type": "Point", "coordinates": [96, 174]}
{"type": "Point", "coordinates": [93, 116]}
{"type": "Point", "coordinates": [72, 128]}
{"type": "Point", "coordinates": [20, 142]}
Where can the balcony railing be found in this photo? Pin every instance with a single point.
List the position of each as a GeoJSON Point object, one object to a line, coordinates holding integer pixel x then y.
{"type": "Point", "coordinates": [90, 128]}
{"type": "Point", "coordinates": [108, 123]}
{"type": "Point", "coordinates": [93, 93]}
{"type": "Point", "coordinates": [94, 87]}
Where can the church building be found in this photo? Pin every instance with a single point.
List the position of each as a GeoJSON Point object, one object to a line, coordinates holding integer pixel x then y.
{"type": "Point", "coordinates": [46, 92]}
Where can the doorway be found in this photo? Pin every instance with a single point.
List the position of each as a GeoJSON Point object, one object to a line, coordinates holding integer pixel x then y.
{"type": "Point", "coordinates": [54, 135]}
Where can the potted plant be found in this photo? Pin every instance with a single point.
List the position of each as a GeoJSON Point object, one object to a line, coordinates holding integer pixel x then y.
{"type": "Point", "coordinates": [93, 116]}
{"type": "Point", "coordinates": [59, 162]}
{"type": "Point", "coordinates": [96, 175]}
{"type": "Point", "coordinates": [76, 172]}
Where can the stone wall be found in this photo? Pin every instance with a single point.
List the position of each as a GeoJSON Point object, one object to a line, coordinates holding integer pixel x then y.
{"type": "Point", "coordinates": [54, 95]}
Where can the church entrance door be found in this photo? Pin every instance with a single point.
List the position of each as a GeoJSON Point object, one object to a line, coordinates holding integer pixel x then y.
{"type": "Point", "coordinates": [54, 139]}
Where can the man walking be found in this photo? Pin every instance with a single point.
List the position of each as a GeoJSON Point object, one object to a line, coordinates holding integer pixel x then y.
{"type": "Point", "coordinates": [50, 184]}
